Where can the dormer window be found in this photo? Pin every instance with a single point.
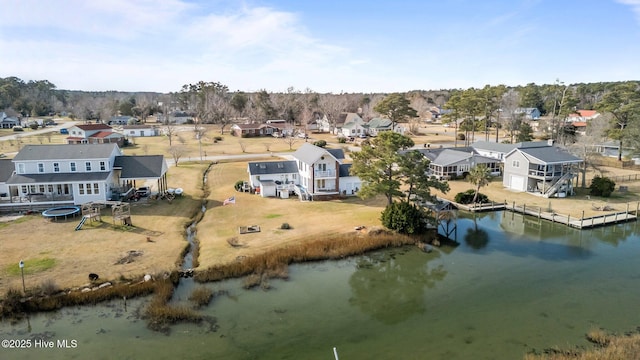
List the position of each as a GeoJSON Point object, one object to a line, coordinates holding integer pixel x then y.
{"type": "Point", "coordinates": [40, 167]}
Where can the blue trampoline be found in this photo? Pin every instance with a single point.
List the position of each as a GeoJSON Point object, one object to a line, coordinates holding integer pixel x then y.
{"type": "Point", "coordinates": [61, 212]}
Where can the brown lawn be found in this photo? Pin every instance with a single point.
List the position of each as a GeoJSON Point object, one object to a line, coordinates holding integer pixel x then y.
{"type": "Point", "coordinates": [99, 246]}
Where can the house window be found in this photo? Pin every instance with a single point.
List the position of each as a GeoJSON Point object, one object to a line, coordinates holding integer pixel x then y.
{"type": "Point", "coordinates": [41, 188]}
{"type": "Point", "coordinates": [321, 184]}
{"type": "Point", "coordinates": [88, 189]}
{"type": "Point", "coordinates": [24, 189]}
{"type": "Point", "coordinates": [40, 167]}
{"type": "Point", "coordinates": [96, 188]}
{"type": "Point", "coordinates": [515, 163]}
{"type": "Point", "coordinates": [87, 165]}
{"type": "Point", "coordinates": [20, 168]}
{"type": "Point", "coordinates": [32, 189]}
{"type": "Point", "coordinates": [50, 188]}
{"type": "Point", "coordinates": [72, 166]}
{"type": "Point", "coordinates": [103, 166]}
{"type": "Point", "coordinates": [56, 167]}
{"type": "Point", "coordinates": [81, 189]}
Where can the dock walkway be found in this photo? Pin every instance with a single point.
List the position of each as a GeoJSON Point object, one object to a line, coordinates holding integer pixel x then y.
{"type": "Point", "coordinates": [574, 222]}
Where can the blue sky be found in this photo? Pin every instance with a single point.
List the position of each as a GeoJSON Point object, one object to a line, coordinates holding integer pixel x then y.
{"type": "Point", "coordinates": [325, 46]}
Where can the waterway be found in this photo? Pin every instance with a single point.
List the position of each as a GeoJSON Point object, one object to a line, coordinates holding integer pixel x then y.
{"type": "Point", "coordinates": [513, 285]}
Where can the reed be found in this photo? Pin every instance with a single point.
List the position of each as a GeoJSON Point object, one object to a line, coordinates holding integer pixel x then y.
{"type": "Point", "coordinates": [336, 246]}
{"type": "Point", "coordinates": [201, 296]}
{"type": "Point", "coordinates": [160, 315]}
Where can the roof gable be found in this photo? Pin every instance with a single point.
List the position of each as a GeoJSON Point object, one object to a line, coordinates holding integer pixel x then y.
{"type": "Point", "coordinates": [309, 154]}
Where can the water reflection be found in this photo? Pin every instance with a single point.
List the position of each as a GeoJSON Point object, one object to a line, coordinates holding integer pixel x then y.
{"type": "Point", "coordinates": [389, 286]}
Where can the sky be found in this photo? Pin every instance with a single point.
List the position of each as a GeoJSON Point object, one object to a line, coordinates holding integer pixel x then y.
{"type": "Point", "coordinates": [325, 46]}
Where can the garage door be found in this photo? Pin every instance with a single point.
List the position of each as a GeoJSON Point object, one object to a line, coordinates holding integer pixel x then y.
{"type": "Point", "coordinates": [517, 182]}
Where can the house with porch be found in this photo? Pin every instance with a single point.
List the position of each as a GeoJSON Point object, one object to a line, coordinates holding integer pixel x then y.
{"type": "Point", "coordinates": [378, 125]}
{"type": "Point", "coordinates": [47, 175]}
{"type": "Point", "coordinates": [314, 173]}
{"type": "Point", "coordinates": [541, 169]}
{"type": "Point", "coordinates": [8, 121]}
{"type": "Point", "coordinates": [452, 163]}
{"type": "Point", "coordinates": [94, 134]}
{"type": "Point", "coordinates": [354, 126]}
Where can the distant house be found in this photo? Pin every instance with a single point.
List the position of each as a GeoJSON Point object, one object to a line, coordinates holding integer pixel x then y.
{"type": "Point", "coordinates": [499, 150]}
{"type": "Point", "coordinates": [314, 173]}
{"type": "Point", "coordinates": [139, 130]}
{"type": "Point", "coordinates": [353, 126]}
{"type": "Point", "coordinates": [247, 130]}
{"type": "Point", "coordinates": [93, 134]}
{"type": "Point", "coordinates": [8, 121]}
{"type": "Point", "coordinates": [528, 113]}
{"type": "Point", "coordinates": [320, 124]}
{"type": "Point", "coordinates": [451, 163]}
{"type": "Point", "coordinates": [176, 117]}
{"type": "Point", "coordinates": [378, 125]}
{"type": "Point", "coordinates": [122, 120]}
{"type": "Point", "coordinates": [582, 116]}
{"type": "Point", "coordinates": [343, 119]}
{"type": "Point", "coordinates": [540, 168]}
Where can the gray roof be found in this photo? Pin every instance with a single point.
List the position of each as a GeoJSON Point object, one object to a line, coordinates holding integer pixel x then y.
{"type": "Point", "coordinates": [309, 154]}
{"type": "Point", "coordinates": [549, 155]}
{"type": "Point", "coordinates": [337, 153]}
{"type": "Point", "coordinates": [65, 152]}
{"type": "Point", "coordinates": [344, 170]}
{"type": "Point", "coordinates": [447, 156]}
{"type": "Point", "coordinates": [141, 166]}
{"type": "Point", "coordinates": [272, 167]}
{"type": "Point", "coordinates": [505, 148]}
{"type": "Point", "coordinates": [19, 179]}
{"type": "Point", "coordinates": [6, 169]}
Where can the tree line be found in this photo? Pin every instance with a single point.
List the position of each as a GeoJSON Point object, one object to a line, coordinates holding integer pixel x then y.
{"type": "Point", "coordinates": [477, 112]}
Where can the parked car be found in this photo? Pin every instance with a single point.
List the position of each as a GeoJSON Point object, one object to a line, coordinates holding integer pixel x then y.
{"type": "Point", "coordinates": [64, 131]}
{"type": "Point", "coordinates": [18, 128]}
{"type": "Point", "coordinates": [362, 136]}
{"type": "Point", "coordinates": [143, 191]}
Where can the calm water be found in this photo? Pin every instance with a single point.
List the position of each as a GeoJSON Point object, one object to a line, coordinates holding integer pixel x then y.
{"type": "Point", "coordinates": [511, 286]}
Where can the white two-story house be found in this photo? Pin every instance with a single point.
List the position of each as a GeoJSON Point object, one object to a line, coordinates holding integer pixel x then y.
{"type": "Point", "coordinates": [314, 173]}
{"type": "Point", "coordinates": [77, 174]}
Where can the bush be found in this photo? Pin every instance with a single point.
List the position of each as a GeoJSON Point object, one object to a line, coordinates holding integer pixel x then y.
{"type": "Point", "coordinates": [342, 140]}
{"type": "Point", "coordinates": [602, 186]}
{"type": "Point", "coordinates": [466, 197]}
{"type": "Point", "coordinates": [34, 126]}
{"type": "Point", "coordinates": [217, 138]}
{"type": "Point", "coordinates": [404, 218]}
{"type": "Point", "coordinates": [320, 143]}
{"type": "Point", "coordinates": [285, 226]}
{"type": "Point", "coordinates": [238, 185]}
{"type": "Point", "coordinates": [461, 137]}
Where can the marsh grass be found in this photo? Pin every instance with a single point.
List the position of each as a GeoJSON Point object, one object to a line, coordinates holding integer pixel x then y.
{"type": "Point", "coordinates": [201, 296]}
{"type": "Point", "coordinates": [274, 261]}
{"type": "Point", "coordinates": [160, 315]}
{"type": "Point", "coordinates": [15, 305]}
{"type": "Point", "coordinates": [607, 347]}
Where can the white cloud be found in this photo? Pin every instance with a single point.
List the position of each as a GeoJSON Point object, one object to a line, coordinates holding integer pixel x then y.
{"type": "Point", "coordinates": [634, 4]}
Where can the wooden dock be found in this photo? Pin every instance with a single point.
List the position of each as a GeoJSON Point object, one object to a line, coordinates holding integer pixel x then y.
{"type": "Point", "coordinates": [537, 212]}
{"type": "Point", "coordinates": [574, 222]}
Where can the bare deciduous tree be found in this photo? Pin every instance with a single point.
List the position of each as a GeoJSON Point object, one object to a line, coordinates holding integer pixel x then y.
{"type": "Point", "coordinates": [177, 152]}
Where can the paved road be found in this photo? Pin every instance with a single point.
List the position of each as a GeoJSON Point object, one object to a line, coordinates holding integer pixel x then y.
{"type": "Point", "coordinates": [48, 129]}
